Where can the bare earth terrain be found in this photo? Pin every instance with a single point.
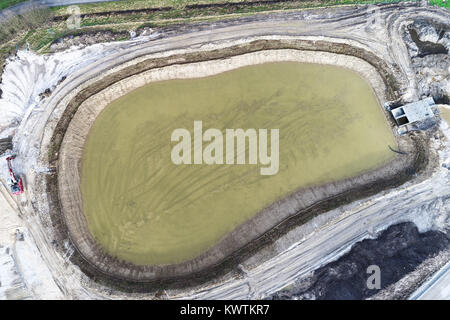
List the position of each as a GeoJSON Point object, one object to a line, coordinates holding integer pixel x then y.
{"type": "Point", "coordinates": [381, 34]}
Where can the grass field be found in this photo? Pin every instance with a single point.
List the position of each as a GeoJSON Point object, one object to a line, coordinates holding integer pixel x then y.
{"type": "Point", "coordinates": [139, 4]}
{"type": "Point", "coordinates": [441, 3]}
{"type": "Point", "coordinates": [143, 208]}
{"type": "Point", "coordinates": [8, 3]}
{"type": "Point", "coordinates": [40, 29]}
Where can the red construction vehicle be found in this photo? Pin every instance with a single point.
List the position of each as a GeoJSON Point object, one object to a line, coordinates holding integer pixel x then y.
{"type": "Point", "coordinates": [15, 184]}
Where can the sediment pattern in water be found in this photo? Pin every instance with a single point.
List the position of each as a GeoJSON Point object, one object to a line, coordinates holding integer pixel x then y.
{"type": "Point", "coordinates": [144, 209]}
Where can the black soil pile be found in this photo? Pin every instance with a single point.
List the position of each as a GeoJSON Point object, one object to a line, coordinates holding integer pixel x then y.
{"type": "Point", "coordinates": [5, 144]}
{"type": "Point", "coordinates": [426, 47]}
{"type": "Point", "coordinates": [397, 251]}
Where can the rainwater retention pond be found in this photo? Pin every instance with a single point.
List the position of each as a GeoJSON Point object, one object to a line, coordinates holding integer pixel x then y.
{"type": "Point", "coordinates": [143, 208]}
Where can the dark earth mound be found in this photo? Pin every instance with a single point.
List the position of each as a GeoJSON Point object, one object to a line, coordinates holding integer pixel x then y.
{"type": "Point", "coordinates": [5, 144]}
{"type": "Point", "coordinates": [397, 251]}
{"type": "Point", "coordinates": [426, 47]}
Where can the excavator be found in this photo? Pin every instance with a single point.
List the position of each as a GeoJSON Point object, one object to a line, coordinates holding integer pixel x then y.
{"type": "Point", "coordinates": [15, 184]}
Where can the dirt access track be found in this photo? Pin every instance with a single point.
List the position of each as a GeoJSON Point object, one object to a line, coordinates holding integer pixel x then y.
{"type": "Point", "coordinates": [336, 36]}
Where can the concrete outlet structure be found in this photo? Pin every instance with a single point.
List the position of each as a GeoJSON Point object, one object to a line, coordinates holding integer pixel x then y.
{"type": "Point", "coordinates": [413, 112]}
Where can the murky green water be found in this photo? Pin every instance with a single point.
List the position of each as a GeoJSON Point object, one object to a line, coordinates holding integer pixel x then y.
{"type": "Point", "coordinates": [144, 209]}
{"type": "Point", "coordinates": [445, 113]}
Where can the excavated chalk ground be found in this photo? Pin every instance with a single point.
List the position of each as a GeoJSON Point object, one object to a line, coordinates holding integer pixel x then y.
{"type": "Point", "coordinates": [34, 268]}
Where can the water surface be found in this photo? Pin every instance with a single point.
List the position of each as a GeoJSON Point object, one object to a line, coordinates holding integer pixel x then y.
{"type": "Point", "coordinates": [445, 113]}
{"type": "Point", "coordinates": [144, 209]}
